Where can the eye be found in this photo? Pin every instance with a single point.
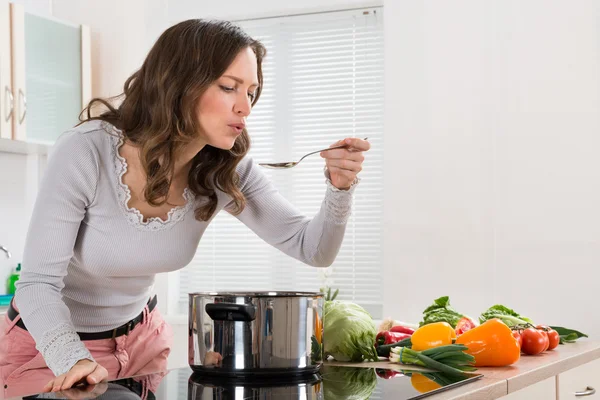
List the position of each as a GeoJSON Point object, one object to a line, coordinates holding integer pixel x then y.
{"type": "Point", "coordinates": [252, 96]}
{"type": "Point", "coordinates": [226, 88]}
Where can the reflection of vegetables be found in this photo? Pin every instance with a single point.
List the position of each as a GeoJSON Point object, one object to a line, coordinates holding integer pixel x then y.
{"type": "Point", "coordinates": [389, 337]}
{"type": "Point", "coordinates": [451, 359]}
{"type": "Point", "coordinates": [318, 328]}
{"type": "Point", "coordinates": [384, 350]}
{"type": "Point", "coordinates": [492, 344]}
{"type": "Point", "coordinates": [349, 332]}
{"type": "Point", "coordinates": [386, 373]}
{"type": "Point", "coordinates": [422, 383]}
{"type": "Point", "coordinates": [508, 316]}
{"type": "Point", "coordinates": [441, 311]}
{"type": "Point", "coordinates": [316, 349]}
{"type": "Point", "coordinates": [348, 383]}
{"type": "Point", "coordinates": [427, 381]}
{"type": "Point", "coordinates": [432, 335]}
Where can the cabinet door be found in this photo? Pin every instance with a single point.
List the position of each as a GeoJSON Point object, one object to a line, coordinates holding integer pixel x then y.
{"type": "Point", "coordinates": [6, 92]}
{"type": "Point", "coordinates": [47, 75]}
{"type": "Point", "coordinates": [18, 71]}
{"type": "Point", "coordinates": [581, 382]}
{"type": "Point", "coordinates": [53, 77]}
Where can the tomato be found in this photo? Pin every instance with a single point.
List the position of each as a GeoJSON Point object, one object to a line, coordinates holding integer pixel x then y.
{"type": "Point", "coordinates": [553, 338]}
{"type": "Point", "coordinates": [546, 339]}
{"type": "Point", "coordinates": [534, 341]}
{"type": "Point", "coordinates": [517, 336]}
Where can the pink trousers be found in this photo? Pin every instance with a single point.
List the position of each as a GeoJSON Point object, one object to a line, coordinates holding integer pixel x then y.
{"type": "Point", "coordinates": [23, 370]}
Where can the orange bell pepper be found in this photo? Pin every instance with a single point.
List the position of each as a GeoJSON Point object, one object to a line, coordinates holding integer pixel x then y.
{"type": "Point", "coordinates": [432, 335]}
{"type": "Point", "coordinates": [492, 344]}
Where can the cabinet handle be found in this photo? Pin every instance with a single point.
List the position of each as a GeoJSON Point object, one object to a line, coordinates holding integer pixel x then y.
{"type": "Point", "coordinates": [587, 392]}
{"type": "Point", "coordinates": [8, 98]}
{"type": "Point", "coordinates": [23, 100]}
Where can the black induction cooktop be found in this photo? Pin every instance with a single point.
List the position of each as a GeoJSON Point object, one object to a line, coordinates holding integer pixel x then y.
{"type": "Point", "coordinates": [331, 383]}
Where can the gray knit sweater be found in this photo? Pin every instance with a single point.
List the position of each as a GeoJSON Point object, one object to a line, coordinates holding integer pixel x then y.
{"type": "Point", "coordinates": [90, 261]}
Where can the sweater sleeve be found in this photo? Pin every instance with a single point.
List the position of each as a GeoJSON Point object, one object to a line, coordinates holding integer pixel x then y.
{"type": "Point", "coordinates": [314, 241]}
{"type": "Point", "coordinates": [67, 188]}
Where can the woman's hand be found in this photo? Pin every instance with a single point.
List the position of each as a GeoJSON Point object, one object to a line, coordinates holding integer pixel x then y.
{"type": "Point", "coordinates": [85, 371]}
{"type": "Point", "coordinates": [344, 164]}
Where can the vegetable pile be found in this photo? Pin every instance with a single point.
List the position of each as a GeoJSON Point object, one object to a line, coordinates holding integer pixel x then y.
{"type": "Point", "coordinates": [497, 339]}
{"type": "Point", "coordinates": [445, 341]}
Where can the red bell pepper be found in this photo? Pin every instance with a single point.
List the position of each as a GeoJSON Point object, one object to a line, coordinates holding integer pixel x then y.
{"type": "Point", "coordinates": [402, 329]}
{"type": "Point", "coordinates": [464, 325]}
{"type": "Point", "coordinates": [388, 337]}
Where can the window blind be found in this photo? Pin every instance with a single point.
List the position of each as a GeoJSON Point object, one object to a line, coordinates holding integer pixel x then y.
{"type": "Point", "coordinates": [323, 81]}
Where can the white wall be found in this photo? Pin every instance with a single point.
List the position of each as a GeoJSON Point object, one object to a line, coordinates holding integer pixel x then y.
{"type": "Point", "coordinates": [492, 121]}
{"type": "Point", "coordinates": [180, 10]}
{"type": "Point", "coordinates": [19, 177]}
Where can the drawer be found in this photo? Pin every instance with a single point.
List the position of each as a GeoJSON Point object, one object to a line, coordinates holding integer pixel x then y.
{"type": "Point", "coordinates": [544, 390]}
{"type": "Point", "coordinates": [574, 383]}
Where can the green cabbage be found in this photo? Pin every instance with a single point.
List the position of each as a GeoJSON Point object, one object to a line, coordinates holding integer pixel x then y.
{"type": "Point", "coordinates": [348, 332]}
{"type": "Point", "coordinates": [345, 383]}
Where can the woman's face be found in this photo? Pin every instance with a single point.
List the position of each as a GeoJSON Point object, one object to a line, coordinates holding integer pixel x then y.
{"type": "Point", "coordinates": [223, 108]}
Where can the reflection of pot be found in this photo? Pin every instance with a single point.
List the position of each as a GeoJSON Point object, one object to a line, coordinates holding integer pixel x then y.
{"type": "Point", "coordinates": [237, 333]}
{"type": "Point", "coordinates": [307, 387]}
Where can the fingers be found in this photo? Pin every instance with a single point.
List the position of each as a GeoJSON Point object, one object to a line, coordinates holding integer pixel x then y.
{"type": "Point", "coordinates": [58, 382]}
{"type": "Point", "coordinates": [76, 375]}
{"type": "Point", "coordinates": [343, 154]}
{"type": "Point", "coordinates": [98, 375]}
{"type": "Point", "coordinates": [346, 165]}
{"type": "Point", "coordinates": [48, 386]}
{"type": "Point", "coordinates": [342, 178]}
{"type": "Point", "coordinates": [357, 144]}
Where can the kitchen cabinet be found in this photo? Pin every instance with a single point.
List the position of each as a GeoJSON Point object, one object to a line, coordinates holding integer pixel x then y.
{"type": "Point", "coordinates": [580, 382]}
{"type": "Point", "coordinates": [46, 76]}
{"type": "Point", "coordinates": [545, 389]}
{"type": "Point", "coordinates": [6, 94]}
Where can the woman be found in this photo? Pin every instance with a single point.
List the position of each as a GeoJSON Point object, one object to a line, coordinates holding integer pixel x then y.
{"type": "Point", "coordinates": [128, 194]}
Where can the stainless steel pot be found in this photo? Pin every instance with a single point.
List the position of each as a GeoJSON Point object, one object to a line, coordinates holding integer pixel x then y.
{"type": "Point", "coordinates": [242, 333]}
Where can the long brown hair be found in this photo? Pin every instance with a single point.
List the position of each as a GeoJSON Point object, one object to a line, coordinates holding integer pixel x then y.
{"type": "Point", "coordinates": [158, 111]}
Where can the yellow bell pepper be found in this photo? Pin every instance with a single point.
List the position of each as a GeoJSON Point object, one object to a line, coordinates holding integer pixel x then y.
{"type": "Point", "coordinates": [432, 335]}
{"type": "Point", "coordinates": [492, 344]}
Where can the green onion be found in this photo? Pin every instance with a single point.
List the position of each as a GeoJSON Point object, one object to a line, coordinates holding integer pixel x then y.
{"type": "Point", "coordinates": [450, 359]}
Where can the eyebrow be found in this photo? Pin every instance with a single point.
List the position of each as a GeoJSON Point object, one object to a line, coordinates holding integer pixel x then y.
{"type": "Point", "coordinates": [238, 80]}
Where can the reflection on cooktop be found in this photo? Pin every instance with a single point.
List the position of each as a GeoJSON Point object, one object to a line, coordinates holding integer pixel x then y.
{"type": "Point", "coordinates": [332, 383]}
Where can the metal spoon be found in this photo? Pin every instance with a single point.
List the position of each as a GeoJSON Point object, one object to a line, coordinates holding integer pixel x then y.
{"type": "Point", "coordinates": [292, 164]}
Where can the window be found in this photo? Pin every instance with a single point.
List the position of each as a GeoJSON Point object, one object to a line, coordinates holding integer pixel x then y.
{"type": "Point", "coordinates": [323, 82]}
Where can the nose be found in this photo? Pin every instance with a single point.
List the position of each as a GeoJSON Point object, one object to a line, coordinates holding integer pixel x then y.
{"type": "Point", "coordinates": [242, 106]}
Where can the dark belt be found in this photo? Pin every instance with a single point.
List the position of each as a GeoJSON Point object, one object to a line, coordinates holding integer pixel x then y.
{"type": "Point", "coordinates": [113, 333]}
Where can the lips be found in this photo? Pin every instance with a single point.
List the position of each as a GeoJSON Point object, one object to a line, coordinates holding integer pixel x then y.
{"type": "Point", "coordinates": [237, 127]}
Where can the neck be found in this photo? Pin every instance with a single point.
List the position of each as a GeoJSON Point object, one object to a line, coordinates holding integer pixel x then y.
{"type": "Point", "coordinates": [183, 162]}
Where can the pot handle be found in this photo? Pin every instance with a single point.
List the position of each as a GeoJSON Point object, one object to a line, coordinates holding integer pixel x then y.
{"type": "Point", "coordinates": [231, 311]}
